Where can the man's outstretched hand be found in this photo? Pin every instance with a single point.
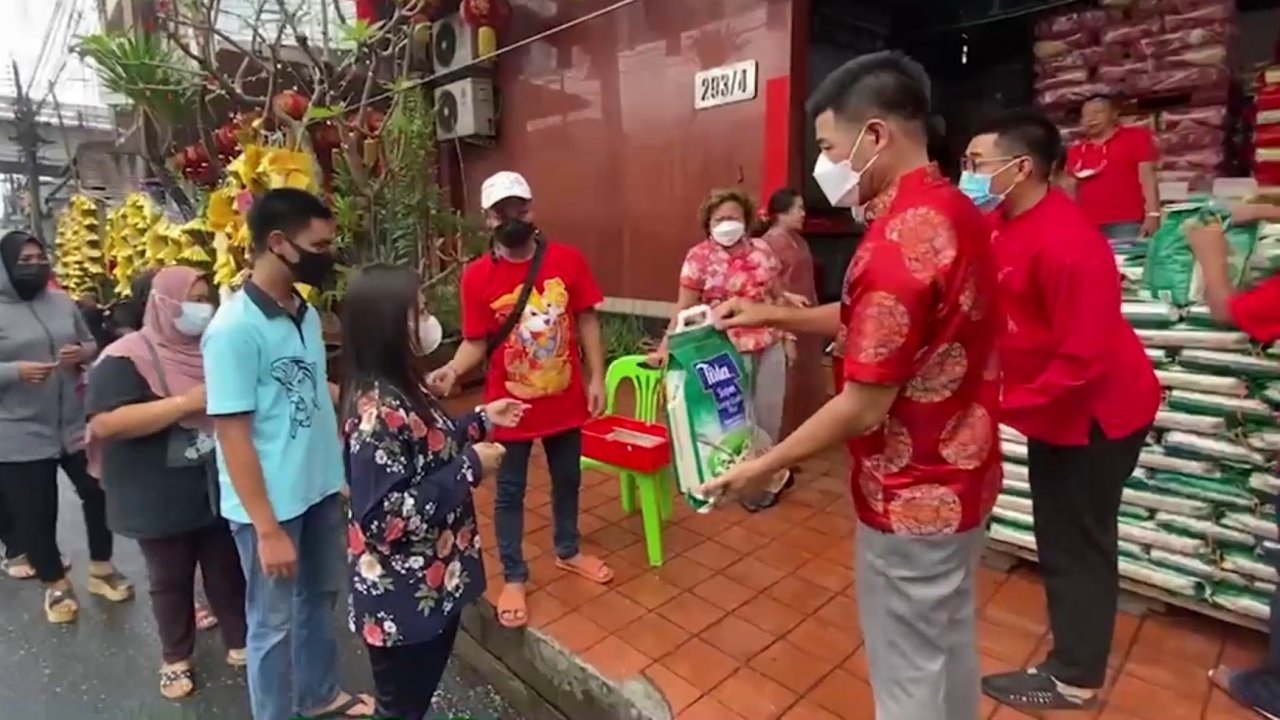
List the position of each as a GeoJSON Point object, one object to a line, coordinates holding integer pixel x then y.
{"type": "Point", "coordinates": [740, 312]}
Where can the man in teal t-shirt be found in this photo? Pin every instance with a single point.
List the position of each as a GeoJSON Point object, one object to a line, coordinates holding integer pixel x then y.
{"type": "Point", "coordinates": [280, 462]}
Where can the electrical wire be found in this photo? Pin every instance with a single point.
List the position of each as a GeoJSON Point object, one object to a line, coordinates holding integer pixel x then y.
{"type": "Point", "coordinates": [504, 50]}
{"type": "Point", "coordinates": [55, 20]}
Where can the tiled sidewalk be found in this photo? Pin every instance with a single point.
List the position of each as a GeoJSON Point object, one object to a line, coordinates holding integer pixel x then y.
{"type": "Point", "coordinates": [753, 616]}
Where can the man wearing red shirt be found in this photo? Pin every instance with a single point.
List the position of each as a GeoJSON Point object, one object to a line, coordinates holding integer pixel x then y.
{"type": "Point", "coordinates": [921, 391]}
{"type": "Point", "coordinates": [528, 308]}
{"type": "Point", "coordinates": [1112, 173]}
{"type": "Point", "coordinates": [1256, 312]}
{"type": "Point", "coordinates": [1077, 383]}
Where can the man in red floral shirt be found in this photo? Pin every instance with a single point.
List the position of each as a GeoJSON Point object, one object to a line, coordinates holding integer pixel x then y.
{"type": "Point", "coordinates": [921, 388]}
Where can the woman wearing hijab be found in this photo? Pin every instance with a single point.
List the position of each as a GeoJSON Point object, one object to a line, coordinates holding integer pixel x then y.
{"type": "Point", "coordinates": [806, 385]}
{"type": "Point", "coordinates": [43, 348]}
{"type": "Point", "coordinates": [152, 445]}
{"type": "Point", "coordinates": [412, 540]}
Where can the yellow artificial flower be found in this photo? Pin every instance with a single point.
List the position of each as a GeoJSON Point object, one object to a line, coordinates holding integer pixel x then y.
{"type": "Point", "coordinates": [221, 210]}
{"type": "Point", "coordinates": [289, 169]}
{"type": "Point", "coordinates": [245, 168]}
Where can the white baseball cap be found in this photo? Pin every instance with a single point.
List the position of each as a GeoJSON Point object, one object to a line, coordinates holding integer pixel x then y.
{"type": "Point", "coordinates": [503, 185]}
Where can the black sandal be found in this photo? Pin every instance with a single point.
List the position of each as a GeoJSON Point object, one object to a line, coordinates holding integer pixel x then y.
{"type": "Point", "coordinates": [174, 677]}
{"type": "Point", "coordinates": [768, 498]}
{"type": "Point", "coordinates": [1031, 690]}
{"type": "Point", "coordinates": [343, 711]}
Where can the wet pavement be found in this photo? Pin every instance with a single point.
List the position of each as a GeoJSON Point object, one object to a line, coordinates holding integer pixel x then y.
{"type": "Point", "coordinates": [104, 666]}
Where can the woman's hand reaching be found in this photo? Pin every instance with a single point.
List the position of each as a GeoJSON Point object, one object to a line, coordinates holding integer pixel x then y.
{"type": "Point", "coordinates": [506, 412]}
{"type": "Point", "coordinates": [490, 455]}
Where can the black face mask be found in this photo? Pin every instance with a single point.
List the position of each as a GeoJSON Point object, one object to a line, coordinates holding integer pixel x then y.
{"type": "Point", "coordinates": [514, 233]}
{"type": "Point", "coordinates": [29, 279]}
{"type": "Point", "coordinates": [312, 268]}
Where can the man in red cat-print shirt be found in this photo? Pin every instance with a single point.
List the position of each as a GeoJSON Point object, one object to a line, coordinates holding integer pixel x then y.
{"type": "Point", "coordinates": [537, 356]}
{"type": "Point", "coordinates": [918, 408]}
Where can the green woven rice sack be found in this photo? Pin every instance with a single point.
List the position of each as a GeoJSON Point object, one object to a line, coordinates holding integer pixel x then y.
{"type": "Point", "coordinates": [1171, 273]}
{"type": "Point", "coordinates": [1251, 604]}
{"type": "Point", "coordinates": [1263, 263]}
{"type": "Point", "coordinates": [1200, 447]}
{"type": "Point", "coordinates": [1198, 567]}
{"type": "Point", "coordinates": [1224, 494]}
{"type": "Point", "coordinates": [1149, 314]}
{"type": "Point", "coordinates": [1184, 337]}
{"type": "Point", "coordinates": [1214, 533]}
{"type": "Point", "coordinates": [1158, 357]}
{"type": "Point", "coordinates": [1261, 525]}
{"type": "Point", "coordinates": [1152, 534]}
{"type": "Point", "coordinates": [1133, 512]}
{"type": "Point", "coordinates": [1249, 565]}
{"type": "Point", "coordinates": [1245, 411]}
{"type": "Point", "coordinates": [1234, 364]}
{"type": "Point", "coordinates": [1163, 578]}
{"type": "Point", "coordinates": [1175, 378]}
{"type": "Point", "coordinates": [1023, 537]}
{"type": "Point", "coordinates": [1201, 316]}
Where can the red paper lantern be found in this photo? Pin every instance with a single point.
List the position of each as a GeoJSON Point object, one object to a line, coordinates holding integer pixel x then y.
{"type": "Point", "coordinates": [371, 11]}
{"type": "Point", "coordinates": [292, 103]}
{"type": "Point", "coordinates": [486, 13]}
{"type": "Point", "coordinates": [488, 17]}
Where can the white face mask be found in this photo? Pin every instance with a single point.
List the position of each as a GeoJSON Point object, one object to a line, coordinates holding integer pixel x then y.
{"type": "Point", "coordinates": [839, 181]}
{"type": "Point", "coordinates": [430, 334]}
{"type": "Point", "coordinates": [728, 232]}
{"type": "Point", "coordinates": [193, 319]}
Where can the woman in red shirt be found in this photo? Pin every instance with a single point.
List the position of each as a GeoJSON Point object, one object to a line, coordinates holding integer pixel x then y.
{"type": "Point", "coordinates": [1256, 312]}
{"type": "Point", "coordinates": [1078, 384]}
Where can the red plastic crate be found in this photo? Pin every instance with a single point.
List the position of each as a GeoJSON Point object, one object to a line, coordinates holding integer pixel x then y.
{"type": "Point", "coordinates": [626, 443]}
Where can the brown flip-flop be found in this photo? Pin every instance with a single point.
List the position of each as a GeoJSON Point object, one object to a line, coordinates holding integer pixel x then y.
{"type": "Point", "coordinates": [598, 572]}
{"type": "Point", "coordinates": [513, 606]}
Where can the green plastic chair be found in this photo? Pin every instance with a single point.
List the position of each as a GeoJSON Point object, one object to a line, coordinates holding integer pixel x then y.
{"type": "Point", "coordinates": [654, 490]}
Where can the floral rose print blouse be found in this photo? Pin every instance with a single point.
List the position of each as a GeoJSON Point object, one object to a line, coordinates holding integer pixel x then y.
{"type": "Point", "coordinates": [749, 269]}
{"type": "Point", "coordinates": [411, 537]}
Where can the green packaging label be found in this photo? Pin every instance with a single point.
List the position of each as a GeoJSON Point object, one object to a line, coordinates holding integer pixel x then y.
{"type": "Point", "coordinates": [709, 414]}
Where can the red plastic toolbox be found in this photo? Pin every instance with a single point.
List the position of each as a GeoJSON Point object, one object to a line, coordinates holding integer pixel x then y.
{"type": "Point", "coordinates": [626, 443]}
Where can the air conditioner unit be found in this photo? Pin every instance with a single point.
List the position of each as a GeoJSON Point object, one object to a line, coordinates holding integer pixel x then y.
{"type": "Point", "coordinates": [453, 44]}
{"type": "Point", "coordinates": [465, 108]}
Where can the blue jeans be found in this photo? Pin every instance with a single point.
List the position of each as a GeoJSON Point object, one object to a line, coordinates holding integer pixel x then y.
{"type": "Point", "coordinates": [564, 455]}
{"type": "Point", "coordinates": [292, 651]}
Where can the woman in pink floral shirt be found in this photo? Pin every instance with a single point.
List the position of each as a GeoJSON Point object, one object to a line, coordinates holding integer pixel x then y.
{"type": "Point", "coordinates": [412, 542]}
{"type": "Point", "coordinates": [729, 264]}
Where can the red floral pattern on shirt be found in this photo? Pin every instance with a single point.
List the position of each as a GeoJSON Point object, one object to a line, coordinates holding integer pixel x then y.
{"type": "Point", "coordinates": [749, 270]}
{"type": "Point", "coordinates": [917, 310]}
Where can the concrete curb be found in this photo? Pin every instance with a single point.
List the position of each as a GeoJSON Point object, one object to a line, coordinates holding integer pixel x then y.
{"type": "Point", "coordinates": [564, 686]}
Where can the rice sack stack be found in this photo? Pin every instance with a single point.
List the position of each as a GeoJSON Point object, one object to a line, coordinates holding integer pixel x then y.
{"type": "Point", "coordinates": [708, 402]}
{"type": "Point", "coordinates": [1207, 483]}
{"type": "Point", "coordinates": [1198, 516]}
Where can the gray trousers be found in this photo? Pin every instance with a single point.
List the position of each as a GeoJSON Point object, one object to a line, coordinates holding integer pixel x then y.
{"type": "Point", "coordinates": [769, 388]}
{"type": "Point", "coordinates": [916, 602]}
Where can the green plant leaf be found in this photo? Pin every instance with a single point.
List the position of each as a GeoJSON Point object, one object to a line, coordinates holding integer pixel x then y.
{"type": "Point", "coordinates": [321, 113]}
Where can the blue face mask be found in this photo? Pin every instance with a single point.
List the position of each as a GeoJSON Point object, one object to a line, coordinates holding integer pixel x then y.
{"type": "Point", "coordinates": [977, 187]}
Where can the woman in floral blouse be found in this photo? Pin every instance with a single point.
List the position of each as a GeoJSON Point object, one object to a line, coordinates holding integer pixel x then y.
{"type": "Point", "coordinates": [412, 541]}
{"type": "Point", "coordinates": [728, 264]}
